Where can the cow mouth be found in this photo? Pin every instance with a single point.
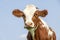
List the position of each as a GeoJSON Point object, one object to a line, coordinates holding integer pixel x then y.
{"type": "Point", "coordinates": [31, 30]}
{"type": "Point", "coordinates": [29, 27]}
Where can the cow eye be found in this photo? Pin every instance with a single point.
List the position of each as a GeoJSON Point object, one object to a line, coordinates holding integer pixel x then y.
{"type": "Point", "coordinates": [35, 14]}
{"type": "Point", "coordinates": [23, 15]}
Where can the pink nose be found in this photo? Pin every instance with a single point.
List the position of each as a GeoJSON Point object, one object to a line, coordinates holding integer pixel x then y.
{"type": "Point", "coordinates": [28, 24]}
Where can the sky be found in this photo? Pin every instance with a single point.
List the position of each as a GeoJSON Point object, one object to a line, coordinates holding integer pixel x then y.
{"type": "Point", "coordinates": [12, 28]}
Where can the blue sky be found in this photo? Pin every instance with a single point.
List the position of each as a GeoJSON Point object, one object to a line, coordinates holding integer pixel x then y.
{"type": "Point", "coordinates": [12, 28]}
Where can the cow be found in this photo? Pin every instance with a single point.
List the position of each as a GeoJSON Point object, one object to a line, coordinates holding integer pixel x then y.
{"type": "Point", "coordinates": [37, 28]}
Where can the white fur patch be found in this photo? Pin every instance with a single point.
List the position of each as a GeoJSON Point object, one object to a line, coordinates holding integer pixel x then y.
{"type": "Point", "coordinates": [50, 33]}
{"type": "Point", "coordinates": [29, 12]}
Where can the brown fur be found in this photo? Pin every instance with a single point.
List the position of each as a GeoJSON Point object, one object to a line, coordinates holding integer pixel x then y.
{"type": "Point", "coordinates": [41, 13]}
{"type": "Point", "coordinates": [17, 13]}
{"type": "Point", "coordinates": [41, 33]}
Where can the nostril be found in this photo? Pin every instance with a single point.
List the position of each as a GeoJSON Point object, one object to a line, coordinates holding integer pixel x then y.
{"type": "Point", "coordinates": [30, 23]}
{"type": "Point", "coordinates": [25, 24]}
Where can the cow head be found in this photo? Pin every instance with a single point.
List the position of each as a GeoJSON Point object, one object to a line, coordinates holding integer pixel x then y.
{"type": "Point", "coordinates": [30, 15]}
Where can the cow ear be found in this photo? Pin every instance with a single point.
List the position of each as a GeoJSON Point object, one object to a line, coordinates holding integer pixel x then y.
{"type": "Point", "coordinates": [42, 13]}
{"type": "Point", "coordinates": [17, 13]}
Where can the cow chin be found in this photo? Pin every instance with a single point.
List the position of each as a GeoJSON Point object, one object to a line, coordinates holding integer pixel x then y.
{"type": "Point", "coordinates": [28, 27]}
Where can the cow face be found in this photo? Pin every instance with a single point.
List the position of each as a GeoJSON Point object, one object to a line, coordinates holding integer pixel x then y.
{"type": "Point", "coordinates": [30, 15]}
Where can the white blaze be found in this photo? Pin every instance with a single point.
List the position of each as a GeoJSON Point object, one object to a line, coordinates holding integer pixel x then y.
{"type": "Point", "coordinates": [29, 12]}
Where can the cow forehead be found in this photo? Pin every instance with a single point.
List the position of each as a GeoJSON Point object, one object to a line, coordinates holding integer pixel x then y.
{"type": "Point", "coordinates": [29, 11]}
